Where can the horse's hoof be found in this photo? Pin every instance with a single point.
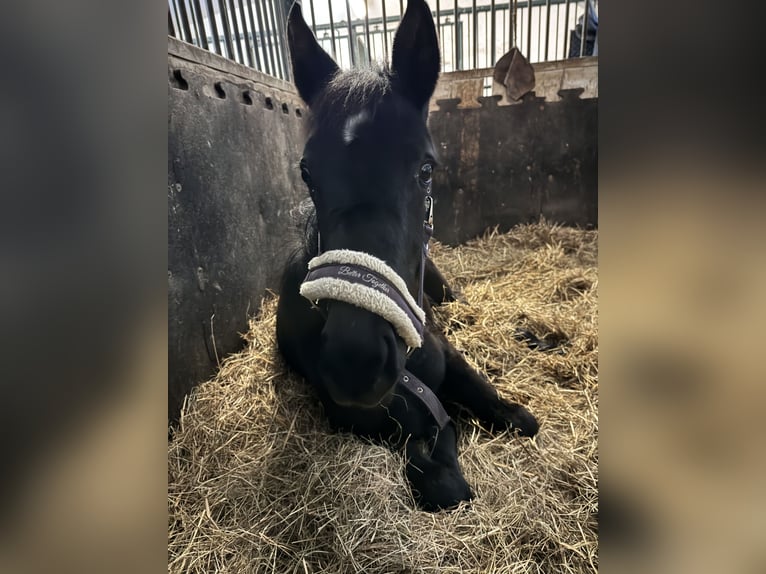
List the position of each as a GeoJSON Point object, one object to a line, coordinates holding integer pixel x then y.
{"type": "Point", "coordinates": [516, 418]}
{"type": "Point", "coordinates": [533, 342]}
{"type": "Point", "coordinates": [442, 489]}
{"type": "Point", "coordinates": [444, 500]}
{"type": "Point", "coordinates": [525, 422]}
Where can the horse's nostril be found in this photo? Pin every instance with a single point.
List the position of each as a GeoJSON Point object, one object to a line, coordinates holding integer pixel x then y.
{"type": "Point", "coordinates": [394, 358]}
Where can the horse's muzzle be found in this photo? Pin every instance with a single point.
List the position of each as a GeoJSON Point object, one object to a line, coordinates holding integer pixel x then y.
{"type": "Point", "coordinates": [360, 356]}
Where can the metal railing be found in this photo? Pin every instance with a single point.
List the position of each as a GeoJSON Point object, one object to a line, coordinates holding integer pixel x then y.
{"type": "Point", "coordinates": [473, 33]}
{"type": "Point", "coordinates": [250, 32]}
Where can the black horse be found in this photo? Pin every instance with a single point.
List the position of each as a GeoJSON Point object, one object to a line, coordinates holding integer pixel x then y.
{"type": "Point", "coordinates": [367, 164]}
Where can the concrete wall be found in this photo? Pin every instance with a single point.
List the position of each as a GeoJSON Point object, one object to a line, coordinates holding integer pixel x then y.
{"type": "Point", "coordinates": [504, 165]}
{"type": "Point", "coordinates": [234, 141]}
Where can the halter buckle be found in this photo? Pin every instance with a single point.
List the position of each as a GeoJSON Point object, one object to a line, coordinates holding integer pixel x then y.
{"type": "Point", "coordinates": [429, 204]}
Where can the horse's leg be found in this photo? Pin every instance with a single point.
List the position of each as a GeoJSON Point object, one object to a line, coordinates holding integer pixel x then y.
{"type": "Point", "coordinates": [432, 467]}
{"type": "Point", "coordinates": [469, 388]}
{"type": "Point", "coordinates": [435, 285]}
{"type": "Point", "coordinates": [434, 472]}
{"type": "Point", "coordinates": [299, 326]}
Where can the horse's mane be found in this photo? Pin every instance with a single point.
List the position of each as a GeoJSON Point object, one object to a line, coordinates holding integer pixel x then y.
{"type": "Point", "coordinates": [349, 92]}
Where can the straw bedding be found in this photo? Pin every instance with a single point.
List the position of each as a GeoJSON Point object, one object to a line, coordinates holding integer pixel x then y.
{"type": "Point", "coordinates": [258, 483]}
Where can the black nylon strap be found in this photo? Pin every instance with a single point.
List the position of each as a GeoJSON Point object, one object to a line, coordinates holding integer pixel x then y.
{"type": "Point", "coordinates": [419, 390]}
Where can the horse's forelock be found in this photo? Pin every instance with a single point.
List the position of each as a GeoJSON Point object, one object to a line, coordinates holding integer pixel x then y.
{"type": "Point", "coordinates": [349, 93]}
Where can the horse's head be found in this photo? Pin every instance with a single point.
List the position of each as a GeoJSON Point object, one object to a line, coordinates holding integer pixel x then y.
{"type": "Point", "coordinates": [367, 162]}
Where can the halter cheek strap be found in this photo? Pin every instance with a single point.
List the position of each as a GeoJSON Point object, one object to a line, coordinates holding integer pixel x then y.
{"type": "Point", "coordinates": [426, 396]}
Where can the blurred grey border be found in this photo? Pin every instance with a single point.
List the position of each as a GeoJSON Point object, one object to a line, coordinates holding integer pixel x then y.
{"type": "Point", "coordinates": [682, 278]}
{"type": "Point", "coordinates": [83, 306]}
{"type": "Point", "coordinates": [83, 156]}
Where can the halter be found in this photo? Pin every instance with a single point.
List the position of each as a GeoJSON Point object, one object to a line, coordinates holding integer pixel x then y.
{"type": "Point", "coordinates": [370, 283]}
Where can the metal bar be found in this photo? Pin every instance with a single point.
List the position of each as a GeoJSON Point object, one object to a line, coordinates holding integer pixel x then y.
{"type": "Point", "coordinates": [558, 29]}
{"type": "Point", "coordinates": [254, 46]}
{"type": "Point", "coordinates": [385, 31]}
{"type": "Point", "coordinates": [247, 53]}
{"type": "Point", "coordinates": [547, 26]}
{"type": "Point", "coordinates": [314, 19]}
{"type": "Point", "coordinates": [376, 39]}
{"type": "Point", "coordinates": [262, 10]}
{"type": "Point", "coordinates": [280, 30]}
{"type": "Point", "coordinates": [225, 27]}
{"type": "Point", "coordinates": [401, 9]}
{"type": "Point", "coordinates": [268, 59]}
{"type": "Point", "coordinates": [502, 36]}
{"type": "Point", "coordinates": [177, 15]}
{"type": "Point", "coordinates": [225, 51]}
{"type": "Point", "coordinates": [512, 17]}
{"type": "Point", "coordinates": [171, 27]}
{"type": "Point", "coordinates": [455, 38]}
{"type": "Point", "coordinates": [232, 13]}
{"type": "Point", "coordinates": [271, 35]}
{"type": "Point", "coordinates": [200, 25]}
{"type": "Point", "coordinates": [584, 38]}
{"type": "Point", "coordinates": [184, 21]}
{"type": "Point", "coordinates": [367, 33]}
{"type": "Point", "coordinates": [350, 34]}
{"type": "Point", "coordinates": [539, 32]}
{"type": "Point", "coordinates": [214, 26]}
{"type": "Point", "coordinates": [566, 31]}
{"type": "Point", "coordinates": [529, 30]}
{"type": "Point", "coordinates": [245, 34]}
{"type": "Point", "coordinates": [486, 40]}
{"type": "Point", "coordinates": [475, 32]}
{"type": "Point", "coordinates": [192, 22]}
{"type": "Point", "coordinates": [438, 21]}
{"type": "Point", "coordinates": [332, 29]}
{"type": "Point", "coordinates": [493, 35]}
{"type": "Point", "coordinates": [238, 16]}
{"type": "Point", "coordinates": [174, 24]}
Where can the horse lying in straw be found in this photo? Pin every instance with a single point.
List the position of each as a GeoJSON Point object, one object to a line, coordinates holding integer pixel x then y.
{"type": "Point", "coordinates": [352, 317]}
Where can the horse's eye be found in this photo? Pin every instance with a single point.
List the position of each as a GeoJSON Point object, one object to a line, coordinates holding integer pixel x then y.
{"type": "Point", "coordinates": [425, 172]}
{"type": "Point", "coordinates": [305, 174]}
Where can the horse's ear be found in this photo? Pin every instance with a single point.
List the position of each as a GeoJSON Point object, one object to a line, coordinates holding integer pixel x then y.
{"type": "Point", "coordinates": [312, 67]}
{"type": "Point", "coordinates": [415, 60]}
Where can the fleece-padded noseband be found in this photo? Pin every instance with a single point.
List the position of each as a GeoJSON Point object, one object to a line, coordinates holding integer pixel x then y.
{"type": "Point", "coordinates": [364, 280]}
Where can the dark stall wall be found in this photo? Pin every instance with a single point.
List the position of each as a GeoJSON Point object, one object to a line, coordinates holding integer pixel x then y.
{"type": "Point", "coordinates": [505, 165]}
{"type": "Point", "coordinates": [234, 141]}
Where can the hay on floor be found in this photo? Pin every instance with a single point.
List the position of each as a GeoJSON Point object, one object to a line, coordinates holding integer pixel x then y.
{"type": "Point", "coordinates": [258, 483]}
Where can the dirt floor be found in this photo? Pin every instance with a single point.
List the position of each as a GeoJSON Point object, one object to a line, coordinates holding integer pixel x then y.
{"type": "Point", "coordinates": [258, 483]}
